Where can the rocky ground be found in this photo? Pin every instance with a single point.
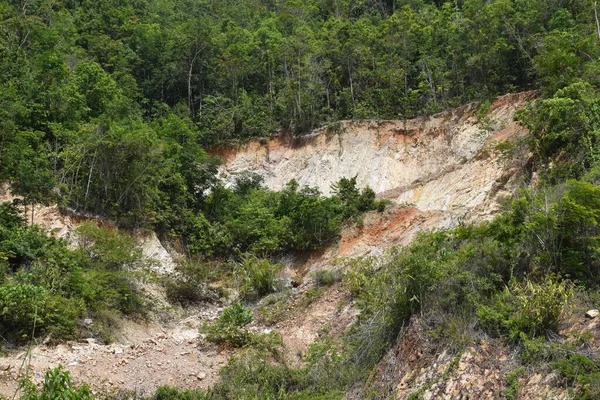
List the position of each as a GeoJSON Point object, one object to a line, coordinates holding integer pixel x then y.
{"type": "Point", "coordinates": [144, 357]}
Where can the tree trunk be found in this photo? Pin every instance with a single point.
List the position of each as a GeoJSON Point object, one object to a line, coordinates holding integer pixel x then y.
{"type": "Point", "coordinates": [596, 16]}
{"type": "Point", "coordinates": [190, 102]}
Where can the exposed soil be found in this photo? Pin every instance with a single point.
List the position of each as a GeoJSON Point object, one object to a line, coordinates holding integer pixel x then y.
{"type": "Point", "coordinates": [144, 357]}
{"type": "Point", "coordinates": [438, 171]}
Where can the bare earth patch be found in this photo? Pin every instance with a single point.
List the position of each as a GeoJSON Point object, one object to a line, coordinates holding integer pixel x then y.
{"type": "Point", "coordinates": [144, 358]}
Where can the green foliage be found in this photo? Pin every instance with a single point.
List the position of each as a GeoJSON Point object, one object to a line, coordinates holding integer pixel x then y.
{"type": "Point", "coordinates": [353, 200]}
{"type": "Point", "coordinates": [554, 231]}
{"type": "Point", "coordinates": [190, 285]}
{"type": "Point", "coordinates": [512, 384]}
{"type": "Point", "coordinates": [10, 217]}
{"type": "Point", "coordinates": [256, 277]}
{"type": "Point", "coordinates": [108, 249]}
{"type": "Point", "coordinates": [310, 296]}
{"type": "Point", "coordinates": [229, 329]}
{"type": "Point", "coordinates": [325, 277]}
{"type": "Point", "coordinates": [258, 374]}
{"type": "Point", "coordinates": [57, 385]}
{"type": "Point", "coordinates": [48, 288]}
{"type": "Point", "coordinates": [530, 309]}
{"type": "Point", "coordinates": [564, 131]}
{"type": "Point", "coordinates": [251, 219]}
{"type": "Point", "coordinates": [107, 111]}
{"type": "Point", "coordinates": [583, 372]}
{"type": "Point", "coordinates": [274, 307]}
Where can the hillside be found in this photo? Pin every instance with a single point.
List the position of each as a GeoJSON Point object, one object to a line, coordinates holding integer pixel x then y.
{"type": "Point", "coordinates": [456, 140]}
{"type": "Point", "coordinates": [440, 170]}
{"type": "Point", "coordinates": [168, 350]}
{"type": "Point", "coordinates": [299, 199]}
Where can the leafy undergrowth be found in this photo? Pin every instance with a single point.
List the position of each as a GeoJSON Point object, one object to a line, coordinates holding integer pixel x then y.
{"type": "Point", "coordinates": [47, 289]}
{"type": "Point", "coordinates": [512, 279]}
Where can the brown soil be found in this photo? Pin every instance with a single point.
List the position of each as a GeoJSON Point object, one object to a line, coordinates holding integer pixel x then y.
{"type": "Point", "coordinates": [145, 356]}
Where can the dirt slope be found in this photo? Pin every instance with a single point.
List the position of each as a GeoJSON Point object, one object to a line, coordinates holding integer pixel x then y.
{"type": "Point", "coordinates": [444, 166]}
{"type": "Point", "coordinates": [437, 171]}
{"type": "Point", "coordinates": [143, 357]}
{"type": "Point", "coordinates": [400, 161]}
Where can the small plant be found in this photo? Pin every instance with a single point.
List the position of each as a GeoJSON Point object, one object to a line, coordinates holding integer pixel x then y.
{"type": "Point", "coordinates": [526, 308]}
{"type": "Point", "coordinates": [336, 127]}
{"type": "Point", "coordinates": [325, 277]}
{"type": "Point", "coordinates": [189, 285]}
{"type": "Point", "coordinates": [256, 277]}
{"type": "Point", "coordinates": [483, 111]}
{"type": "Point", "coordinates": [583, 372]}
{"type": "Point", "coordinates": [107, 249]}
{"type": "Point", "coordinates": [512, 384]}
{"type": "Point", "coordinates": [57, 385]}
{"type": "Point", "coordinates": [381, 205]}
{"type": "Point", "coordinates": [171, 393]}
{"type": "Point", "coordinates": [359, 272]}
{"type": "Point", "coordinates": [273, 308]}
{"type": "Point", "coordinates": [310, 296]}
{"type": "Point", "coordinates": [229, 329]}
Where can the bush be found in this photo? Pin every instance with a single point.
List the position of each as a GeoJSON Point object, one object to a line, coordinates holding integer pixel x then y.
{"type": "Point", "coordinates": [325, 277]}
{"type": "Point", "coordinates": [57, 385]}
{"type": "Point", "coordinates": [113, 290]}
{"type": "Point", "coordinates": [190, 286]}
{"type": "Point", "coordinates": [21, 307]}
{"type": "Point", "coordinates": [257, 374]}
{"type": "Point", "coordinates": [229, 329]}
{"type": "Point", "coordinates": [353, 200]}
{"type": "Point", "coordinates": [273, 308]}
{"type": "Point", "coordinates": [27, 310]}
{"type": "Point", "coordinates": [256, 277]}
{"type": "Point", "coordinates": [108, 249]}
{"type": "Point", "coordinates": [583, 372]}
{"type": "Point", "coordinates": [528, 308]}
{"type": "Point", "coordinates": [185, 292]}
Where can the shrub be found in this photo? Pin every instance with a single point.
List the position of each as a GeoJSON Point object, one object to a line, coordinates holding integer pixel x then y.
{"type": "Point", "coordinates": [21, 307]}
{"type": "Point", "coordinates": [229, 329]}
{"type": "Point", "coordinates": [583, 372]}
{"type": "Point", "coordinates": [358, 272]}
{"type": "Point", "coordinates": [257, 374]}
{"type": "Point", "coordinates": [353, 200]}
{"type": "Point", "coordinates": [185, 292]}
{"type": "Point", "coordinates": [325, 277]}
{"type": "Point", "coordinates": [27, 309]}
{"type": "Point", "coordinates": [526, 308]}
{"type": "Point", "coordinates": [108, 249]}
{"type": "Point", "coordinates": [256, 277]}
{"type": "Point", "coordinates": [512, 384]}
{"type": "Point", "coordinates": [189, 285]}
{"type": "Point", "coordinates": [273, 308]}
{"type": "Point", "coordinates": [10, 217]}
{"type": "Point", "coordinates": [310, 296]}
{"type": "Point", "coordinates": [57, 385]}
{"type": "Point", "coordinates": [114, 290]}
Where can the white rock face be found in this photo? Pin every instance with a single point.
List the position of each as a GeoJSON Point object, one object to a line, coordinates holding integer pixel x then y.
{"type": "Point", "coordinates": [63, 225]}
{"type": "Point", "coordinates": [444, 162]}
{"type": "Point", "coordinates": [152, 249]}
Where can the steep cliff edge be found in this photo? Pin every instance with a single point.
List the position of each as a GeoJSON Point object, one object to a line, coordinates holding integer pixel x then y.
{"type": "Point", "coordinates": [437, 170]}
